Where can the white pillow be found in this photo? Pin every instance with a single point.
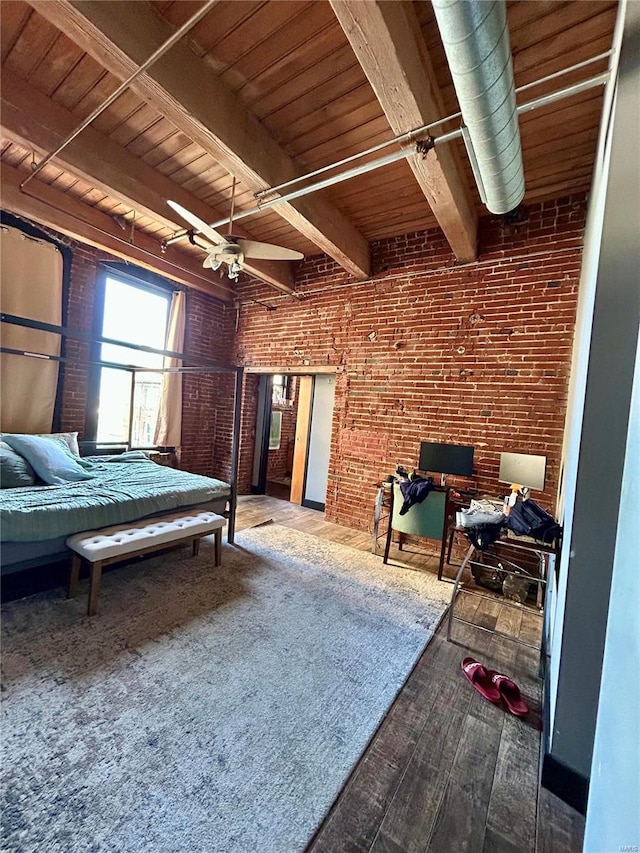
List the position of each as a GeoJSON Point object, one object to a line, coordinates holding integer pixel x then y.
{"type": "Point", "coordinates": [69, 438]}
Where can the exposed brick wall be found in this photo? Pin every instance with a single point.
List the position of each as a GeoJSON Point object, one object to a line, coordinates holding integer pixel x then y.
{"type": "Point", "coordinates": [207, 413]}
{"type": "Point", "coordinates": [429, 350]}
{"type": "Point", "coordinates": [84, 266]}
{"type": "Point", "coordinates": [426, 349]}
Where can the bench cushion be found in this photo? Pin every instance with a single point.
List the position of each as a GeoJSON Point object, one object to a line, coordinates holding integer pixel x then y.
{"type": "Point", "coordinates": [135, 536]}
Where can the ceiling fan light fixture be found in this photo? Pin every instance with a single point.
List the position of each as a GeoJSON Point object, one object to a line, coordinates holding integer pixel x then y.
{"type": "Point", "coordinates": [230, 249]}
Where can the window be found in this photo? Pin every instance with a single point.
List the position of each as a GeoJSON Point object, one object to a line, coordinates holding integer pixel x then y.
{"type": "Point", "coordinates": [275, 432]}
{"type": "Point", "coordinates": [280, 388]}
{"type": "Point", "coordinates": [138, 314]}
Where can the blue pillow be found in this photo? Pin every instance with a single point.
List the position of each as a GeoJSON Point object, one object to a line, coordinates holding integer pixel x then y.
{"type": "Point", "coordinates": [50, 459]}
{"type": "Point", "coordinates": [15, 471]}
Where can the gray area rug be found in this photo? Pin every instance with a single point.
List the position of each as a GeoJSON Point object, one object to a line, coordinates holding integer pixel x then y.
{"type": "Point", "coordinates": [204, 709]}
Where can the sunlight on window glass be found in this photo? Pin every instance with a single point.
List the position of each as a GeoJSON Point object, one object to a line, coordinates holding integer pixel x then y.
{"type": "Point", "coordinates": [113, 412]}
{"type": "Point", "coordinates": [146, 404]}
{"type": "Point", "coordinates": [137, 316]}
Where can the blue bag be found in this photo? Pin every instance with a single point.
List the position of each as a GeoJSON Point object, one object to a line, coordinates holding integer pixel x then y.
{"type": "Point", "coordinates": [527, 518]}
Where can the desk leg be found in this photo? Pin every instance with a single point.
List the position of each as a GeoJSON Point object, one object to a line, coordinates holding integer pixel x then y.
{"type": "Point", "coordinates": [387, 544]}
{"type": "Point", "coordinates": [443, 548]}
{"type": "Point", "coordinates": [463, 566]}
{"type": "Point", "coordinates": [447, 545]}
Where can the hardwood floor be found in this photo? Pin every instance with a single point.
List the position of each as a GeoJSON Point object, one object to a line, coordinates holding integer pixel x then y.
{"type": "Point", "coordinates": [446, 771]}
{"type": "Point", "coordinates": [278, 490]}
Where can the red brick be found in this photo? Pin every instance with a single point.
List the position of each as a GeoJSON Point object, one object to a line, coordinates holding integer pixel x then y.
{"type": "Point", "coordinates": [512, 311]}
{"type": "Point", "coordinates": [472, 354]}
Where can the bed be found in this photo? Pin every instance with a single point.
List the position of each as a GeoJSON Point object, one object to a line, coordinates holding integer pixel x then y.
{"type": "Point", "coordinates": [37, 519]}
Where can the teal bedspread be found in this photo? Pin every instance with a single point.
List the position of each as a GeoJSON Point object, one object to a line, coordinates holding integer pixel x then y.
{"type": "Point", "coordinates": [125, 487]}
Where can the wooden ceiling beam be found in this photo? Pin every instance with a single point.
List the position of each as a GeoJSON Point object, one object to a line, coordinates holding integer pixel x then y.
{"type": "Point", "coordinates": [42, 203]}
{"type": "Point", "coordinates": [388, 42]}
{"type": "Point", "coordinates": [186, 89]}
{"type": "Point", "coordinates": [32, 120]}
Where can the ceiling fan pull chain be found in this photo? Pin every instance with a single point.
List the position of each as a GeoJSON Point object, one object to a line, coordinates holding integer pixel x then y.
{"type": "Point", "coordinates": [233, 200]}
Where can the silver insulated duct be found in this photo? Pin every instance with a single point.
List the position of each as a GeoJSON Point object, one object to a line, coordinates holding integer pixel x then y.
{"type": "Point", "coordinates": [476, 41]}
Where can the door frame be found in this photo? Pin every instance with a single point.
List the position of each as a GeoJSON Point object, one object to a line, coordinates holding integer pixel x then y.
{"type": "Point", "coordinates": [308, 502]}
{"type": "Point", "coordinates": [301, 441]}
{"type": "Point", "coordinates": [300, 370]}
{"type": "Point", "coordinates": [261, 440]}
{"type": "Point", "coordinates": [301, 448]}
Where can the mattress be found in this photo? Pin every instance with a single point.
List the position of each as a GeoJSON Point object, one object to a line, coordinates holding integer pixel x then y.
{"type": "Point", "coordinates": [123, 488]}
{"type": "Point", "coordinates": [16, 556]}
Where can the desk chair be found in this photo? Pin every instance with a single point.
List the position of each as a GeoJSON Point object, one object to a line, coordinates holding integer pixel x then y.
{"type": "Point", "coordinates": [426, 519]}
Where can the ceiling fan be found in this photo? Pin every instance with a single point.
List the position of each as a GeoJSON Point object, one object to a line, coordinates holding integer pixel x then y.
{"type": "Point", "coordinates": [230, 249]}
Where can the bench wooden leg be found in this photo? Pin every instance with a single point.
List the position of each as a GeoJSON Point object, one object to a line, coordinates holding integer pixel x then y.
{"type": "Point", "coordinates": [217, 539]}
{"type": "Point", "coordinates": [94, 587]}
{"type": "Point", "coordinates": [74, 574]}
{"type": "Point", "coordinates": [218, 545]}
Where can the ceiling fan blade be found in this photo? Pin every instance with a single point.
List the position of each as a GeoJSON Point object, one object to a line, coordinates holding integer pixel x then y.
{"type": "Point", "coordinates": [267, 251]}
{"type": "Point", "coordinates": [197, 223]}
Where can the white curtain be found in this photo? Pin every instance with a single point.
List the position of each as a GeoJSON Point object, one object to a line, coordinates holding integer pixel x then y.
{"type": "Point", "coordinates": [169, 426]}
{"type": "Point", "coordinates": [31, 286]}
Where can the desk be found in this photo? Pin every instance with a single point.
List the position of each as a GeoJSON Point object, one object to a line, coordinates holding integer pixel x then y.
{"type": "Point", "coordinates": [500, 548]}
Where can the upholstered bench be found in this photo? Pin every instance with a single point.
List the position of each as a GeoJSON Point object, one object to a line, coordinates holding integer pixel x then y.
{"type": "Point", "coordinates": [110, 544]}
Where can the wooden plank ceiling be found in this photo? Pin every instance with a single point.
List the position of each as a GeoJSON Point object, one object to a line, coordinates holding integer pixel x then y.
{"type": "Point", "coordinates": [266, 90]}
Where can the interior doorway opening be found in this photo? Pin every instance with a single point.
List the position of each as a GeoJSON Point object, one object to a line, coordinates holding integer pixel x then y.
{"type": "Point", "coordinates": [293, 438]}
{"type": "Point", "coordinates": [281, 442]}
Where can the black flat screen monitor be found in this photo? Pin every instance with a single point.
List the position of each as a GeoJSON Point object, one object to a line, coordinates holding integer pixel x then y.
{"type": "Point", "coordinates": [446, 458]}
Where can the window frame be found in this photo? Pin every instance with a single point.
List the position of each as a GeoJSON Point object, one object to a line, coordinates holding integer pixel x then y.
{"type": "Point", "coordinates": [284, 385]}
{"type": "Point", "coordinates": [143, 280]}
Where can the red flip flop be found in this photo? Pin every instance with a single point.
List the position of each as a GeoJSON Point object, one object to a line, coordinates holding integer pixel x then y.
{"type": "Point", "coordinates": [480, 679]}
{"type": "Point", "coordinates": [510, 692]}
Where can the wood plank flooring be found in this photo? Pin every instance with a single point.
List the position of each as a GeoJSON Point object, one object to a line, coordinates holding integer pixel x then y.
{"type": "Point", "coordinates": [446, 771]}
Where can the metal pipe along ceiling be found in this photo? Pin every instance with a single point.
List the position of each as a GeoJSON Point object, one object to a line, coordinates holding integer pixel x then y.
{"type": "Point", "coordinates": [476, 41]}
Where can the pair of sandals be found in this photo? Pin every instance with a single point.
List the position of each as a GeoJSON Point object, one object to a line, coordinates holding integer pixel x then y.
{"type": "Point", "coordinates": [494, 686]}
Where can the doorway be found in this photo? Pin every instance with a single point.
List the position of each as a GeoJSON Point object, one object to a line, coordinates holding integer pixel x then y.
{"type": "Point", "coordinates": [293, 438]}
